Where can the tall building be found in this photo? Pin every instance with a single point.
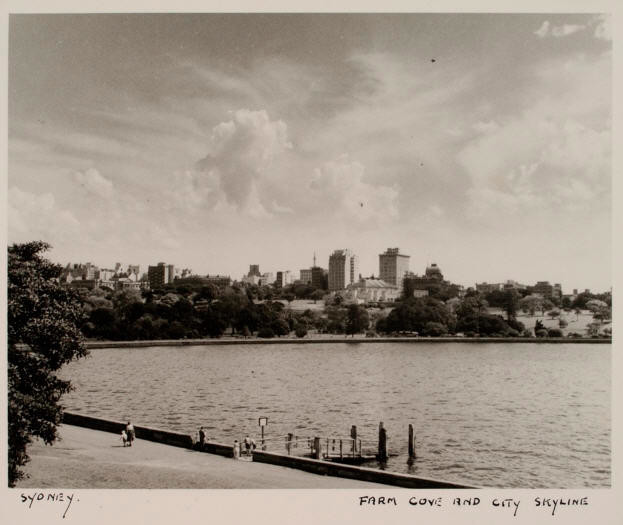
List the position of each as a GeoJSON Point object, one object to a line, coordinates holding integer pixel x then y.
{"type": "Point", "coordinates": [284, 278]}
{"type": "Point", "coordinates": [319, 277]}
{"type": "Point", "coordinates": [393, 266]}
{"type": "Point", "coordinates": [254, 269]}
{"type": "Point", "coordinates": [160, 274]}
{"type": "Point", "coordinates": [306, 276]}
{"type": "Point", "coordinates": [343, 268]}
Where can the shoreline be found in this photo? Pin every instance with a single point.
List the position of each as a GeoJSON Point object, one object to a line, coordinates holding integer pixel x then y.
{"type": "Point", "coordinates": [341, 340]}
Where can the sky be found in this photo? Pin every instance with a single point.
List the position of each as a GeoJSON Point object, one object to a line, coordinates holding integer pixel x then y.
{"type": "Point", "coordinates": [480, 142]}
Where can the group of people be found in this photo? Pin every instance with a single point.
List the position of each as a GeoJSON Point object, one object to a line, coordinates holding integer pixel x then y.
{"type": "Point", "coordinates": [128, 435]}
{"type": "Point", "coordinates": [249, 446]}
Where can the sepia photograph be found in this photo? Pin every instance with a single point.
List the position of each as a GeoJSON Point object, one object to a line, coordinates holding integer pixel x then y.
{"type": "Point", "coordinates": [304, 250]}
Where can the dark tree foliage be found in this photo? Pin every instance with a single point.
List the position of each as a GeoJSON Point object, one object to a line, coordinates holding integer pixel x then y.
{"type": "Point", "coordinates": [496, 298]}
{"type": "Point", "coordinates": [511, 303]}
{"type": "Point", "coordinates": [357, 319]}
{"type": "Point", "coordinates": [413, 314]}
{"type": "Point", "coordinates": [434, 329]}
{"type": "Point", "coordinates": [43, 335]}
{"type": "Point", "coordinates": [584, 297]}
{"type": "Point", "coordinates": [336, 319]}
{"type": "Point", "coordinates": [538, 327]}
{"type": "Point", "coordinates": [472, 318]}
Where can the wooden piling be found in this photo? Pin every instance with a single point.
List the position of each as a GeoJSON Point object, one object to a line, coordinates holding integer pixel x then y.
{"type": "Point", "coordinates": [411, 442]}
{"type": "Point", "coordinates": [382, 455]}
{"type": "Point", "coordinates": [289, 443]}
{"type": "Point", "coordinates": [353, 435]}
{"type": "Point", "coordinates": [317, 453]}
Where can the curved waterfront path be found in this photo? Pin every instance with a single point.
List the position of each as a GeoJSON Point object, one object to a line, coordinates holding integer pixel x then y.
{"type": "Point", "coordinates": [97, 460]}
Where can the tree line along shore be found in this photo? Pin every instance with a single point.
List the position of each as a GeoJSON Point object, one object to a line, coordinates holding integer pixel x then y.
{"type": "Point", "coordinates": [194, 309]}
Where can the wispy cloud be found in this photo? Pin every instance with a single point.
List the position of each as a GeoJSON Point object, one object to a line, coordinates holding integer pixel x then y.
{"type": "Point", "coordinates": [600, 25]}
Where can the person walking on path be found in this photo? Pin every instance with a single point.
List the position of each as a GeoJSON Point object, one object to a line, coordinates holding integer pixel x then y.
{"type": "Point", "coordinates": [129, 430]}
{"type": "Point", "coordinates": [247, 445]}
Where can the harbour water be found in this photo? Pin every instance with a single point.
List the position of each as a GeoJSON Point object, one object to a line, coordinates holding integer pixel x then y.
{"type": "Point", "coordinates": [492, 415]}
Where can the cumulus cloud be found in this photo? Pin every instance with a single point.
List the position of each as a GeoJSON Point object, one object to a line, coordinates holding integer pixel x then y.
{"type": "Point", "coordinates": [33, 216]}
{"type": "Point", "coordinates": [547, 29]}
{"type": "Point", "coordinates": [542, 31]}
{"type": "Point", "coordinates": [554, 156]}
{"type": "Point", "coordinates": [566, 29]}
{"type": "Point", "coordinates": [535, 163]}
{"type": "Point", "coordinates": [603, 28]}
{"type": "Point", "coordinates": [341, 188]}
{"type": "Point", "coordinates": [94, 183]}
{"type": "Point", "coordinates": [241, 155]}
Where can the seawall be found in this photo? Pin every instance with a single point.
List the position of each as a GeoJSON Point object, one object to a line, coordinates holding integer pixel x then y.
{"type": "Point", "coordinates": [314, 466]}
{"type": "Point", "coordinates": [328, 468]}
{"type": "Point", "coordinates": [349, 340]}
{"type": "Point", "coordinates": [167, 437]}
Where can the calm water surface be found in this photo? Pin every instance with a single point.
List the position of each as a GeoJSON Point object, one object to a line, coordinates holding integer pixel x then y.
{"type": "Point", "coordinates": [494, 415]}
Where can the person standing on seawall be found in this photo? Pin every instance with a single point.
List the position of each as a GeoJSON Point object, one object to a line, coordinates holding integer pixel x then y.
{"type": "Point", "coordinates": [202, 438]}
{"type": "Point", "coordinates": [129, 430]}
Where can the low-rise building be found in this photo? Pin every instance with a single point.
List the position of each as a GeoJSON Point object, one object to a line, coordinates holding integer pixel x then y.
{"type": "Point", "coordinates": [485, 288]}
{"type": "Point", "coordinates": [547, 290]}
{"type": "Point", "coordinates": [219, 280]}
{"type": "Point", "coordinates": [370, 290]}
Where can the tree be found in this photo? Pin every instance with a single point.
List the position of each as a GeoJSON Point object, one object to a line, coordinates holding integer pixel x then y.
{"type": "Point", "coordinates": [434, 329]}
{"type": "Point", "coordinates": [357, 319]}
{"type": "Point", "coordinates": [539, 327]}
{"type": "Point", "coordinates": [546, 305]}
{"type": "Point", "coordinates": [532, 303]}
{"type": "Point", "coordinates": [207, 292]}
{"type": "Point", "coordinates": [317, 295]}
{"type": "Point", "coordinates": [469, 313]}
{"type": "Point", "coordinates": [43, 334]}
{"type": "Point", "coordinates": [600, 309]}
{"type": "Point", "coordinates": [280, 327]}
{"type": "Point", "coordinates": [510, 303]}
{"type": "Point", "coordinates": [412, 314]}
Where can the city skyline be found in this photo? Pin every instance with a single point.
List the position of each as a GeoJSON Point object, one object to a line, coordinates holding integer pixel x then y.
{"type": "Point", "coordinates": [178, 271]}
{"type": "Point", "coordinates": [479, 142]}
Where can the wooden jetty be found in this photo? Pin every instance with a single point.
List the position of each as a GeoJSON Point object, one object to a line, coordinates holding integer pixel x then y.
{"type": "Point", "coordinates": [347, 450]}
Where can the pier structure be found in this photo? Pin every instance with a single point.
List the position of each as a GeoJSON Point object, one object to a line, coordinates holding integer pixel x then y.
{"type": "Point", "coordinates": [328, 456]}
